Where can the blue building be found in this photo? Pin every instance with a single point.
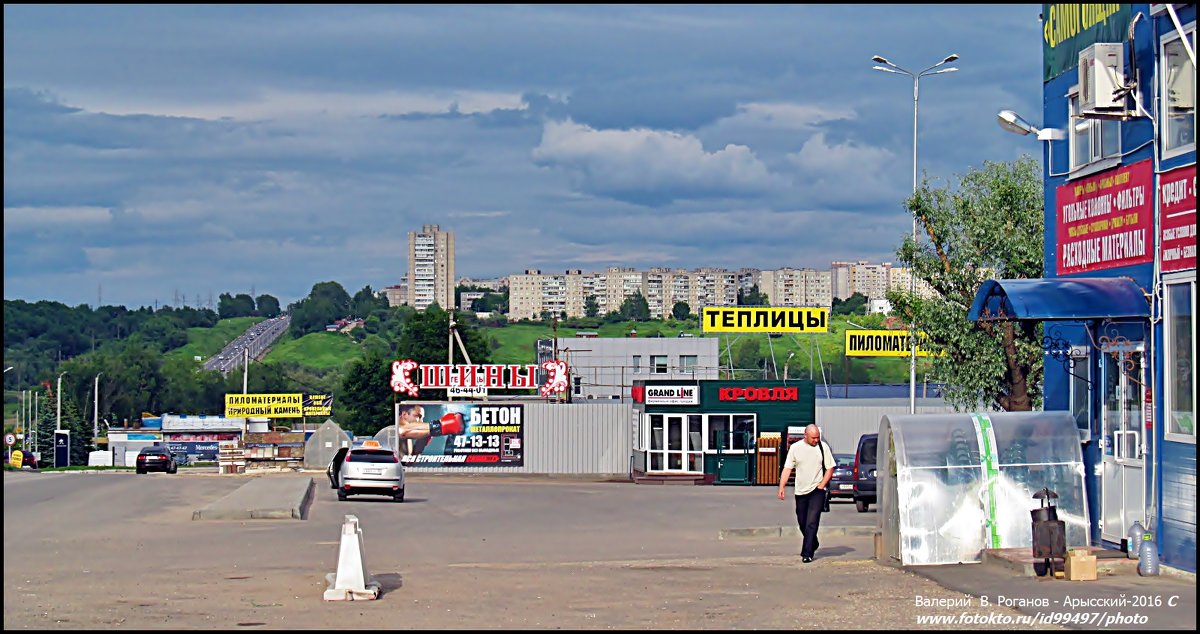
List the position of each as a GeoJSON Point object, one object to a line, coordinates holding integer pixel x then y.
{"type": "Point", "coordinates": [1119, 287]}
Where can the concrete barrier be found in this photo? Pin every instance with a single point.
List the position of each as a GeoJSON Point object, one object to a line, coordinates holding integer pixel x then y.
{"type": "Point", "coordinates": [266, 498]}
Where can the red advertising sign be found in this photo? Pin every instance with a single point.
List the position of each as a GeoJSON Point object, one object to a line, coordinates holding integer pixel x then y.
{"type": "Point", "coordinates": [758, 394]}
{"type": "Point", "coordinates": [1177, 219]}
{"type": "Point", "coordinates": [442, 376]}
{"type": "Point", "coordinates": [1106, 221]}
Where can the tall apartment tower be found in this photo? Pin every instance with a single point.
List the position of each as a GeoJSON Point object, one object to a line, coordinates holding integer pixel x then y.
{"type": "Point", "coordinates": [431, 268]}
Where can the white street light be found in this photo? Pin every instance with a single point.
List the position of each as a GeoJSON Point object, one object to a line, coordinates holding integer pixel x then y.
{"type": "Point", "coordinates": [785, 365]}
{"type": "Point", "coordinates": [58, 403]}
{"type": "Point", "coordinates": [912, 279]}
{"type": "Point", "coordinates": [8, 368]}
{"type": "Point", "coordinates": [1013, 122]}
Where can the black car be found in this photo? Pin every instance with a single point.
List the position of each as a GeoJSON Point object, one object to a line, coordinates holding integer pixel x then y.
{"type": "Point", "coordinates": [842, 484]}
{"type": "Point", "coordinates": [156, 459]}
{"type": "Point", "coordinates": [864, 471]}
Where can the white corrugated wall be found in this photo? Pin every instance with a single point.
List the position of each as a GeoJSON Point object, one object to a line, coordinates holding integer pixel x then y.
{"type": "Point", "coordinates": [594, 438]}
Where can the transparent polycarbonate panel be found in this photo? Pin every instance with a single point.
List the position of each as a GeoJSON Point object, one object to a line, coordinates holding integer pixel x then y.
{"type": "Point", "coordinates": [938, 502]}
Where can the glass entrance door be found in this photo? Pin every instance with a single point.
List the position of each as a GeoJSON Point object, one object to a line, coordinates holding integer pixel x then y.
{"type": "Point", "coordinates": [1123, 444]}
{"type": "Point", "coordinates": [676, 443]}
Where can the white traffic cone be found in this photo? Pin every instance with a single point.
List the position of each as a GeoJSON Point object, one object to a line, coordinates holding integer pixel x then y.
{"type": "Point", "coordinates": [351, 582]}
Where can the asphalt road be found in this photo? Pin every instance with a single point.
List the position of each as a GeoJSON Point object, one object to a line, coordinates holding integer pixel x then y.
{"type": "Point", "coordinates": [117, 550]}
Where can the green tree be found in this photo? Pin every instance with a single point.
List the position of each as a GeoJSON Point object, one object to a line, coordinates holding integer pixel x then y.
{"type": "Point", "coordinates": [747, 355]}
{"type": "Point", "coordinates": [635, 308]}
{"type": "Point", "coordinates": [48, 420]}
{"type": "Point", "coordinates": [366, 302]}
{"type": "Point", "coordinates": [241, 305]}
{"type": "Point", "coordinates": [325, 304]}
{"type": "Point", "coordinates": [681, 310]}
{"type": "Point", "coordinates": [366, 396]}
{"type": "Point", "coordinates": [591, 307]}
{"type": "Point", "coordinates": [856, 304]}
{"type": "Point", "coordinates": [425, 338]}
{"type": "Point", "coordinates": [988, 226]}
{"type": "Point", "coordinates": [753, 297]}
{"type": "Point", "coordinates": [267, 306]}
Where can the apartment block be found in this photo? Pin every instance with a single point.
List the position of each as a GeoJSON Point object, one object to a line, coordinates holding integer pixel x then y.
{"type": "Point", "coordinates": [431, 268]}
{"type": "Point", "coordinates": [872, 280]}
{"type": "Point", "coordinates": [397, 294]}
{"type": "Point", "coordinates": [797, 287]}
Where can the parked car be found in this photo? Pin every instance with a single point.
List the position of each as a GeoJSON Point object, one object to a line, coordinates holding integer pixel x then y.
{"type": "Point", "coordinates": [842, 484]}
{"type": "Point", "coordinates": [369, 468]}
{"type": "Point", "coordinates": [864, 471]}
{"type": "Point", "coordinates": [155, 459]}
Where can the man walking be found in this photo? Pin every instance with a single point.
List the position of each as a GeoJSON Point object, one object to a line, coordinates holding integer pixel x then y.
{"type": "Point", "coordinates": [812, 481]}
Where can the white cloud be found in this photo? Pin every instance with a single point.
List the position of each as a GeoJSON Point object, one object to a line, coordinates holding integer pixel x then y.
{"type": "Point", "coordinates": [274, 104]}
{"type": "Point", "coordinates": [60, 218]}
{"type": "Point", "coordinates": [642, 160]}
{"type": "Point", "coordinates": [820, 156]}
{"type": "Point", "coordinates": [787, 116]}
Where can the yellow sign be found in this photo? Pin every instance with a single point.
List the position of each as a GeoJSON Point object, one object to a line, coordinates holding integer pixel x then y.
{"type": "Point", "coordinates": [881, 343]}
{"type": "Point", "coordinates": [16, 459]}
{"type": "Point", "coordinates": [748, 319]}
{"type": "Point", "coordinates": [268, 405]}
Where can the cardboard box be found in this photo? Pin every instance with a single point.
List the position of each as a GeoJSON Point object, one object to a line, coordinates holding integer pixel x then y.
{"type": "Point", "coordinates": [1080, 566]}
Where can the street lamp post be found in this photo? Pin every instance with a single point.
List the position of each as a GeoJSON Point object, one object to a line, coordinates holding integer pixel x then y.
{"type": "Point", "coordinates": [58, 404]}
{"type": "Point", "coordinates": [912, 279]}
{"type": "Point", "coordinates": [785, 366]}
{"type": "Point", "coordinates": [96, 409]}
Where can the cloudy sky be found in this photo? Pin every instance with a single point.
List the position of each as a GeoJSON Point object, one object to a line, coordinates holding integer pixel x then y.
{"type": "Point", "coordinates": [156, 151]}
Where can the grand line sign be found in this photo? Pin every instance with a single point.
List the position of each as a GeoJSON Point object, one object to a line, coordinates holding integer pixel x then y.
{"type": "Point", "coordinates": [443, 376]}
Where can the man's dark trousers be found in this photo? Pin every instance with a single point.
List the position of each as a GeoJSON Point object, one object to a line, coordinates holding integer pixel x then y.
{"type": "Point", "coordinates": [808, 517]}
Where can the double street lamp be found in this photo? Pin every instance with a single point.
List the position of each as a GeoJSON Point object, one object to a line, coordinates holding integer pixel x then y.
{"type": "Point", "coordinates": [936, 69]}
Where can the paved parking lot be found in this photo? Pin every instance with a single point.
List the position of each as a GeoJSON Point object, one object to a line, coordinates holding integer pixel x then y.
{"type": "Point", "coordinates": [115, 550]}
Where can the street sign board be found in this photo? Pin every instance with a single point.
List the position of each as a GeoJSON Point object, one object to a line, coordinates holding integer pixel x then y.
{"type": "Point", "coordinates": [10, 439]}
{"type": "Point", "coordinates": [62, 448]}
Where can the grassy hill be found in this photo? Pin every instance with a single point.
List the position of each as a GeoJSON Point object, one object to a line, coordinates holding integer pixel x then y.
{"type": "Point", "coordinates": [516, 344]}
{"type": "Point", "coordinates": [322, 350]}
{"type": "Point", "coordinates": [205, 342]}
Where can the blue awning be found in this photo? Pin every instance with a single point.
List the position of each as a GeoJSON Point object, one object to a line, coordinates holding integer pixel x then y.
{"type": "Point", "coordinates": [1059, 299]}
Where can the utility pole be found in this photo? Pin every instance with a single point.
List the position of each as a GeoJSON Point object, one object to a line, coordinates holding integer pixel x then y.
{"type": "Point", "coordinates": [246, 369]}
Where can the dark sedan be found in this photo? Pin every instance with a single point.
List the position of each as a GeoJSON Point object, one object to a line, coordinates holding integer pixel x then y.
{"type": "Point", "coordinates": [156, 459]}
{"type": "Point", "coordinates": [842, 484]}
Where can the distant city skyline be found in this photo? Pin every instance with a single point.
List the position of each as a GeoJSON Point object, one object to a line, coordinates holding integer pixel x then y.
{"type": "Point", "coordinates": [220, 148]}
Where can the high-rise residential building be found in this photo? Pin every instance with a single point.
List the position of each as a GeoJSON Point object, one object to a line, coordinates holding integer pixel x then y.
{"type": "Point", "coordinates": [872, 280]}
{"type": "Point", "coordinates": [534, 294]}
{"type": "Point", "coordinates": [796, 287]}
{"type": "Point", "coordinates": [900, 277]}
{"type": "Point", "coordinates": [431, 268]}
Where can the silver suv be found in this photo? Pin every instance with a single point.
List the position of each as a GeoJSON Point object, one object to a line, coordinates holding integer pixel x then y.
{"type": "Point", "coordinates": [370, 468]}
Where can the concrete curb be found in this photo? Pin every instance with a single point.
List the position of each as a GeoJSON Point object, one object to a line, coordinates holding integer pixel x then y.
{"type": "Point", "coordinates": [263, 499]}
{"type": "Point", "coordinates": [775, 532]}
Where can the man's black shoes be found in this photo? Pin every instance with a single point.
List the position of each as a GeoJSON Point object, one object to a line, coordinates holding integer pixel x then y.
{"type": "Point", "coordinates": [807, 560]}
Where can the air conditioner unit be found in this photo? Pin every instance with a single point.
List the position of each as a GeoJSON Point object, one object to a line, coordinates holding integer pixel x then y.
{"type": "Point", "coordinates": [1101, 73]}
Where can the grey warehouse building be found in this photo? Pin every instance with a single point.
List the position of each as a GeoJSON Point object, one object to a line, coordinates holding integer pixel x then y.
{"type": "Point", "coordinates": [605, 368]}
